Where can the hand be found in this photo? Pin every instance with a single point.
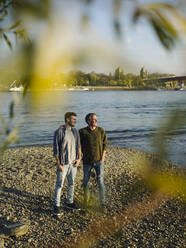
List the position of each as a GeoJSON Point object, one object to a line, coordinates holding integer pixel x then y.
{"type": "Point", "coordinates": [60, 167]}
{"type": "Point", "coordinates": [76, 163]}
{"type": "Point", "coordinates": [101, 161]}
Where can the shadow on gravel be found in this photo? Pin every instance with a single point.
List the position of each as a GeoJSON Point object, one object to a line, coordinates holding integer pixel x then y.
{"type": "Point", "coordinates": [38, 204]}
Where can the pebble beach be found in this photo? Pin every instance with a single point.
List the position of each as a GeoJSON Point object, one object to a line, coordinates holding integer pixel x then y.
{"type": "Point", "coordinates": [135, 214]}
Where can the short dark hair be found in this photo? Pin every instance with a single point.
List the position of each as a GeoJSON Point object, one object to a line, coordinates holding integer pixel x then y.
{"type": "Point", "coordinates": [69, 114]}
{"type": "Point", "coordinates": [87, 117]}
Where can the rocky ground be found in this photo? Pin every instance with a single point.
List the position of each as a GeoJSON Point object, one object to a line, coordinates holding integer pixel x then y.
{"type": "Point", "coordinates": [135, 216]}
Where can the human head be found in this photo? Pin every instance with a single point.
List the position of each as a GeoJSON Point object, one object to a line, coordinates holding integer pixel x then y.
{"type": "Point", "coordinates": [91, 119]}
{"type": "Point", "coordinates": [70, 118]}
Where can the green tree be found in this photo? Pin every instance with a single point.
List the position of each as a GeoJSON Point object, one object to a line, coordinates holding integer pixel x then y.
{"type": "Point", "coordinates": [143, 73]}
{"type": "Point", "coordinates": [110, 76]}
{"type": "Point", "coordinates": [112, 83]}
{"type": "Point", "coordinates": [137, 81]}
{"type": "Point", "coordinates": [118, 74]}
{"type": "Point", "coordinates": [93, 78]}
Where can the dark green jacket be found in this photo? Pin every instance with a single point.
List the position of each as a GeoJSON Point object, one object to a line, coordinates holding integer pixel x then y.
{"type": "Point", "coordinates": [93, 143]}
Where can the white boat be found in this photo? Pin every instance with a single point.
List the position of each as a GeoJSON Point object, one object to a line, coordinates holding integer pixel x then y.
{"type": "Point", "coordinates": [15, 88]}
{"type": "Point", "coordinates": [78, 89]}
{"type": "Point", "coordinates": [85, 89]}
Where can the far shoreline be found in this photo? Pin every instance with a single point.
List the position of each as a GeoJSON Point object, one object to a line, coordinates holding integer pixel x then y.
{"type": "Point", "coordinates": [100, 88]}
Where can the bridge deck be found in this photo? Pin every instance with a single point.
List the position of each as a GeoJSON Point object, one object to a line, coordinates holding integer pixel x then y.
{"type": "Point", "coordinates": [167, 79]}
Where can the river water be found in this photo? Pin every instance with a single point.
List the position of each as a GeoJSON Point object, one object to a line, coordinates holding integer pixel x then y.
{"type": "Point", "coordinates": [130, 118]}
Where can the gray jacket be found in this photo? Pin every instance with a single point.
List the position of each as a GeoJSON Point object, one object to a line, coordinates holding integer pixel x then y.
{"type": "Point", "coordinates": [58, 143]}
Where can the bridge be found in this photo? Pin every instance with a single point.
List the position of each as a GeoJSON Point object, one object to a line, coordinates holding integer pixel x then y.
{"type": "Point", "coordinates": [180, 79]}
{"type": "Point", "coordinates": [167, 79]}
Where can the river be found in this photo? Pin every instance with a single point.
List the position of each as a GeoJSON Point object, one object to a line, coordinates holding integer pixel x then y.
{"type": "Point", "coordinates": [130, 118]}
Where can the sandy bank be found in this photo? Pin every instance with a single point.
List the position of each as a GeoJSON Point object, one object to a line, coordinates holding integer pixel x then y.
{"type": "Point", "coordinates": [27, 182]}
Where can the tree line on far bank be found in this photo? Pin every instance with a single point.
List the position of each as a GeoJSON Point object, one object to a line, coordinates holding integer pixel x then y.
{"type": "Point", "coordinates": [118, 78]}
{"type": "Point", "coordinates": [78, 78]}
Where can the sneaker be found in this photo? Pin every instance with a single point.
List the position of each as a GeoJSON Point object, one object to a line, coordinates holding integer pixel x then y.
{"type": "Point", "coordinates": [56, 211]}
{"type": "Point", "coordinates": [73, 206]}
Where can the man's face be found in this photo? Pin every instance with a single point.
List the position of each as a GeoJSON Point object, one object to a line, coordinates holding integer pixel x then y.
{"type": "Point", "coordinates": [93, 121]}
{"type": "Point", "coordinates": [72, 121]}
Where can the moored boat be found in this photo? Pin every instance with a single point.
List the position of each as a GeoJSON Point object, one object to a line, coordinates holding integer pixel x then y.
{"type": "Point", "coordinates": [15, 88]}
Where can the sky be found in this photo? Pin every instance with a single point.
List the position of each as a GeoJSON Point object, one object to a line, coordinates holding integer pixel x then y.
{"type": "Point", "coordinates": [97, 47]}
{"type": "Point", "coordinates": [138, 47]}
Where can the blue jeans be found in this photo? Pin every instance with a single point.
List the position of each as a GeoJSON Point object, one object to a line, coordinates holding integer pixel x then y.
{"type": "Point", "coordinates": [70, 171]}
{"type": "Point", "coordinates": [99, 168]}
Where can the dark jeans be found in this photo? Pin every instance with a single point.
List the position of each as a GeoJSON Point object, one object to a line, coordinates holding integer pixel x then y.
{"type": "Point", "coordinates": [99, 168]}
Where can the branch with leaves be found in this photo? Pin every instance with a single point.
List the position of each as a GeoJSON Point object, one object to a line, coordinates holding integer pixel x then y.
{"type": "Point", "coordinates": [165, 29]}
{"type": "Point", "coordinates": [12, 10]}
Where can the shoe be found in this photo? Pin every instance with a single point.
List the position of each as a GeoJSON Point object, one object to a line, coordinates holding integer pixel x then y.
{"type": "Point", "coordinates": [56, 211]}
{"type": "Point", "coordinates": [73, 206]}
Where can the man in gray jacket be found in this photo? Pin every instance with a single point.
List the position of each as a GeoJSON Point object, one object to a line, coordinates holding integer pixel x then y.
{"type": "Point", "coordinates": [67, 151]}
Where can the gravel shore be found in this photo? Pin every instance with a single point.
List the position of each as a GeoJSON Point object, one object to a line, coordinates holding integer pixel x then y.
{"type": "Point", "coordinates": [135, 215]}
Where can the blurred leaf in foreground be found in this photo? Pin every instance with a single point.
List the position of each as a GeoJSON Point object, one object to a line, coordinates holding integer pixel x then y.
{"type": "Point", "coordinates": [160, 16]}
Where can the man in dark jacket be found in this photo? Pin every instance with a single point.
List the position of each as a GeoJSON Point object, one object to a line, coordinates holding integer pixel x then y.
{"type": "Point", "coordinates": [93, 145]}
{"type": "Point", "coordinates": [67, 151]}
